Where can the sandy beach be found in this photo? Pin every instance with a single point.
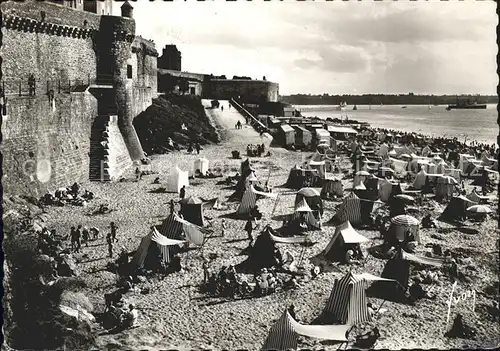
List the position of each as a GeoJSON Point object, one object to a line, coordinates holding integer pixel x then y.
{"type": "Point", "coordinates": [176, 315]}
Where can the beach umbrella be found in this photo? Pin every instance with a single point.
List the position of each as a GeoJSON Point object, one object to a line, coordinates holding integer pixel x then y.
{"type": "Point", "coordinates": [405, 156]}
{"type": "Point", "coordinates": [405, 197]}
{"type": "Point", "coordinates": [389, 134]}
{"type": "Point", "coordinates": [479, 209]}
{"type": "Point", "coordinates": [362, 173]}
{"type": "Point", "coordinates": [308, 192]}
{"type": "Point", "coordinates": [398, 135]}
{"type": "Point", "coordinates": [404, 220]}
{"type": "Point", "coordinates": [192, 200]}
{"type": "Point", "coordinates": [393, 152]}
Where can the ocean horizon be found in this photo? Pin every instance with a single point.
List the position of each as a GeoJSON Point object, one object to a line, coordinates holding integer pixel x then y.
{"type": "Point", "coordinates": [479, 125]}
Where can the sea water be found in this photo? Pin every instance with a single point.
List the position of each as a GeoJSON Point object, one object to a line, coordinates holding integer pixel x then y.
{"type": "Point", "coordinates": [479, 125]}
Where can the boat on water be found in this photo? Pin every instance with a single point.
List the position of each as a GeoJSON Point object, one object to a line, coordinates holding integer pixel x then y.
{"type": "Point", "coordinates": [466, 104]}
{"type": "Point", "coordinates": [403, 106]}
{"type": "Point", "coordinates": [355, 108]}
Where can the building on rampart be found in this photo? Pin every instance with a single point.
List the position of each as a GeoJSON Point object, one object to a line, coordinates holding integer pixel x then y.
{"type": "Point", "coordinates": [170, 59]}
{"type": "Point", "coordinates": [99, 7]}
{"type": "Point", "coordinates": [73, 81]}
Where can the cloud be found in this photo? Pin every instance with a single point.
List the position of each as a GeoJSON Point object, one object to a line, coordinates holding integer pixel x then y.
{"type": "Point", "coordinates": [366, 46]}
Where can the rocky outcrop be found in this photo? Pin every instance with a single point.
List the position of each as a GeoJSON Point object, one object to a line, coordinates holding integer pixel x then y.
{"type": "Point", "coordinates": [165, 119]}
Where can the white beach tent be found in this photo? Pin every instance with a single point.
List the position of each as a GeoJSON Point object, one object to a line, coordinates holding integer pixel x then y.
{"type": "Point", "coordinates": [344, 234]}
{"type": "Point", "coordinates": [177, 179]}
{"type": "Point", "coordinates": [419, 181]}
{"type": "Point", "coordinates": [201, 165]}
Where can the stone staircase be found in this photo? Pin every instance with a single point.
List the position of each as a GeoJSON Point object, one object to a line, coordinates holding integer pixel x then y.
{"type": "Point", "coordinates": [108, 161]}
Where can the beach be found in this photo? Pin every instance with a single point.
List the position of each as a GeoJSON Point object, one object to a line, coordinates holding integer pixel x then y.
{"type": "Point", "coordinates": [175, 315]}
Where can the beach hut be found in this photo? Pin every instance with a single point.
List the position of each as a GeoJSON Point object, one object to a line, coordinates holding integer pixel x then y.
{"type": "Point", "coordinates": [192, 210]}
{"type": "Point", "coordinates": [201, 165]}
{"type": "Point", "coordinates": [344, 239]}
{"type": "Point", "coordinates": [347, 303]}
{"type": "Point", "coordinates": [153, 249]}
{"type": "Point", "coordinates": [341, 133]}
{"type": "Point", "coordinates": [322, 136]}
{"type": "Point", "coordinates": [287, 135]}
{"type": "Point", "coordinates": [177, 179]}
{"type": "Point", "coordinates": [403, 227]}
{"type": "Point", "coordinates": [303, 137]}
{"type": "Point", "coordinates": [386, 189]}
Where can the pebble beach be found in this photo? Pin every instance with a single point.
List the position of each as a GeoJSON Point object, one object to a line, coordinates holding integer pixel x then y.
{"type": "Point", "coordinates": [176, 315]}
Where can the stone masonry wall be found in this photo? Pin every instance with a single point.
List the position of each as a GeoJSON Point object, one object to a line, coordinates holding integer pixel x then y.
{"type": "Point", "coordinates": [44, 148]}
{"type": "Point", "coordinates": [251, 91]}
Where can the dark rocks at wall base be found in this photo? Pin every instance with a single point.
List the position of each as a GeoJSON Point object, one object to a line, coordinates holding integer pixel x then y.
{"type": "Point", "coordinates": [165, 118]}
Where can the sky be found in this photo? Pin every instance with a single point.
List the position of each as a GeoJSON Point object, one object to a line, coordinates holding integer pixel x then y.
{"type": "Point", "coordinates": [316, 47]}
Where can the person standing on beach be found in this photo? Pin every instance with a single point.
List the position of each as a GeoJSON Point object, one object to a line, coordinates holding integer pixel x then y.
{"type": "Point", "coordinates": [73, 238]}
{"type": "Point", "coordinates": [198, 148]}
{"type": "Point", "coordinates": [109, 240]}
{"type": "Point", "coordinates": [86, 236]}
{"type": "Point", "coordinates": [113, 230]}
{"type": "Point", "coordinates": [78, 236]}
{"type": "Point", "coordinates": [172, 206]}
{"type": "Point", "coordinates": [223, 227]}
{"type": "Point", "coordinates": [182, 192]}
{"type": "Point", "coordinates": [248, 229]}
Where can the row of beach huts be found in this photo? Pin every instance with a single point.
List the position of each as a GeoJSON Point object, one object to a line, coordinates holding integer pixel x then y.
{"type": "Point", "coordinates": [306, 133]}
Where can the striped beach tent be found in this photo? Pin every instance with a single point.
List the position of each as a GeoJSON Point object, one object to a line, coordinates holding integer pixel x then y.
{"type": "Point", "coordinates": [302, 209]}
{"type": "Point", "coordinates": [150, 245]}
{"type": "Point", "coordinates": [171, 228]}
{"type": "Point", "coordinates": [347, 303]}
{"type": "Point", "coordinates": [350, 210]}
{"type": "Point", "coordinates": [249, 200]}
{"type": "Point", "coordinates": [419, 181]}
{"type": "Point", "coordinates": [445, 186]}
{"type": "Point", "coordinates": [282, 335]}
{"type": "Point", "coordinates": [174, 227]}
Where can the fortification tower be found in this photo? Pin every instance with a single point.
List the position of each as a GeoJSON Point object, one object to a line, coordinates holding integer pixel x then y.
{"type": "Point", "coordinates": [114, 42]}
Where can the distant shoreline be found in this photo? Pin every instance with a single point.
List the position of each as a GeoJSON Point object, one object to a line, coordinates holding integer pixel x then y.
{"type": "Point", "coordinates": [301, 99]}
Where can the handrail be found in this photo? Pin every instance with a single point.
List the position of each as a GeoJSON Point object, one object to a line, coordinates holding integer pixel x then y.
{"type": "Point", "coordinates": [245, 113]}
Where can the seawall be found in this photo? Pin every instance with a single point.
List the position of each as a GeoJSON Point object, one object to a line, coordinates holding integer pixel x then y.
{"type": "Point", "coordinates": [46, 144]}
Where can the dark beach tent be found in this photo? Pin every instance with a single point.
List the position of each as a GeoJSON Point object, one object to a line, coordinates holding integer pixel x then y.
{"type": "Point", "coordinates": [398, 269]}
{"type": "Point", "coordinates": [342, 240]}
{"type": "Point", "coordinates": [192, 210]}
{"type": "Point", "coordinates": [298, 178]}
{"type": "Point", "coordinates": [312, 197]}
{"type": "Point", "coordinates": [347, 303]}
{"type": "Point", "coordinates": [445, 186]}
{"type": "Point", "coordinates": [332, 187]}
{"type": "Point", "coordinates": [456, 209]}
{"type": "Point", "coordinates": [369, 207]}
{"type": "Point", "coordinates": [263, 254]}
